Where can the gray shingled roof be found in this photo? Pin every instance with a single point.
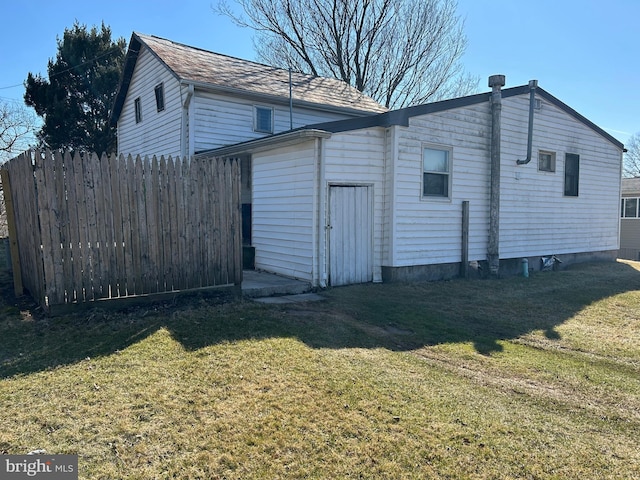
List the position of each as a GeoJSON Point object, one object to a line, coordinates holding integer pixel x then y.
{"type": "Point", "coordinates": [631, 186]}
{"type": "Point", "coordinates": [229, 74]}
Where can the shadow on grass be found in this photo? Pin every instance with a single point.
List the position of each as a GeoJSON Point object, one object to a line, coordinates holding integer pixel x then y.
{"type": "Point", "coordinates": [392, 316]}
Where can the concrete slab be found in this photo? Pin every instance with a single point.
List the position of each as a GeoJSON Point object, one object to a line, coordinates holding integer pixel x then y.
{"type": "Point", "coordinates": [302, 297]}
{"type": "Point", "coordinates": [257, 284]}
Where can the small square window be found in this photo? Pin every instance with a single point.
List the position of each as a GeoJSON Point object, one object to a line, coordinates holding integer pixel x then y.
{"type": "Point", "coordinates": [138, 108]}
{"type": "Point", "coordinates": [159, 97]}
{"type": "Point", "coordinates": [263, 121]}
{"type": "Point", "coordinates": [546, 161]}
{"type": "Point", "coordinates": [436, 170]}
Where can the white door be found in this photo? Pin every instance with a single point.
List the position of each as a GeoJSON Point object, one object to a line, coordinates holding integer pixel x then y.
{"type": "Point", "coordinates": [350, 234]}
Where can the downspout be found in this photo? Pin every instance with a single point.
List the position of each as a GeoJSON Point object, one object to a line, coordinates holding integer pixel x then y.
{"type": "Point", "coordinates": [533, 84]}
{"type": "Point", "coordinates": [184, 145]}
{"type": "Point", "coordinates": [496, 82]}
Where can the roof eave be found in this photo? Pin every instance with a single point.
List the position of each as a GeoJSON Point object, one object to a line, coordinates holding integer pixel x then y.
{"type": "Point", "coordinates": [289, 138]}
{"type": "Point", "coordinates": [238, 92]}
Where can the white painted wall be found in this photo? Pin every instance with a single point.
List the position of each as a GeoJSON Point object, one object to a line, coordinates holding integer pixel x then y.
{"type": "Point", "coordinates": [358, 158]}
{"type": "Point", "coordinates": [225, 120]}
{"type": "Point", "coordinates": [159, 132]}
{"type": "Point", "coordinates": [283, 210]}
{"type": "Point", "coordinates": [213, 121]}
{"type": "Point", "coordinates": [536, 218]}
{"type": "Point", "coordinates": [429, 230]}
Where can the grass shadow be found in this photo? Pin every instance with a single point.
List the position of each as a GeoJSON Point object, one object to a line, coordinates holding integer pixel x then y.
{"type": "Point", "coordinates": [393, 316]}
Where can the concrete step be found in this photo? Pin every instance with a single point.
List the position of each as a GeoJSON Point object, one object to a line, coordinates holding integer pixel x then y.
{"type": "Point", "coordinates": [257, 284]}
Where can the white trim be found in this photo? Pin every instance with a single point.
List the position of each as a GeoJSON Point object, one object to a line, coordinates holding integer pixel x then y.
{"type": "Point", "coordinates": [443, 148]}
{"type": "Point", "coordinates": [256, 108]}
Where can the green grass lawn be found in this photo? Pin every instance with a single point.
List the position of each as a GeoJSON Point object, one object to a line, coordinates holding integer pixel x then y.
{"type": "Point", "coordinates": [514, 378]}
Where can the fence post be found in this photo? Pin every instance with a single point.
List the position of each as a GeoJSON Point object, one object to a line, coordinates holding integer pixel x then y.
{"type": "Point", "coordinates": [13, 235]}
{"type": "Point", "coordinates": [464, 263]}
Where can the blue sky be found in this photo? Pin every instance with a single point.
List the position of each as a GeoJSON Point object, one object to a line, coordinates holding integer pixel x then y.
{"type": "Point", "coordinates": [586, 53]}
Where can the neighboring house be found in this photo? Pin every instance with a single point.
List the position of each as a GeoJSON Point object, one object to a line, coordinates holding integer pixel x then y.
{"type": "Point", "coordinates": [179, 100]}
{"type": "Point", "coordinates": [381, 198]}
{"type": "Point", "coordinates": [356, 194]}
{"type": "Point", "coordinates": [630, 219]}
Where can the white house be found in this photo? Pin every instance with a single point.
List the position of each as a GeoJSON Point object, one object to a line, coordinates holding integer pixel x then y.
{"type": "Point", "coordinates": [347, 192]}
{"type": "Point", "coordinates": [384, 197]}
{"type": "Point", "coordinates": [178, 100]}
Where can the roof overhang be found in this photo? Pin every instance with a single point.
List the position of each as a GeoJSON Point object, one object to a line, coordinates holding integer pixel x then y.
{"type": "Point", "coordinates": [273, 99]}
{"type": "Point", "coordinates": [286, 139]}
{"type": "Point", "coordinates": [127, 73]}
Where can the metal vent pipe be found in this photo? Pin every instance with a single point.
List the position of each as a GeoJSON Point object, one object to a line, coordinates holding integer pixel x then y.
{"type": "Point", "coordinates": [533, 84]}
{"type": "Point", "coordinates": [496, 82]}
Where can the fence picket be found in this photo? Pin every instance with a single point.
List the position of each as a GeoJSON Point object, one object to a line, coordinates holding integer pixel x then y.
{"type": "Point", "coordinates": [116, 165]}
{"type": "Point", "coordinates": [90, 227]}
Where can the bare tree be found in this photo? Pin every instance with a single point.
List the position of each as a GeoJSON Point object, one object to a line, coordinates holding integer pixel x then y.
{"type": "Point", "coordinates": [399, 52]}
{"type": "Point", "coordinates": [17, 126]}
{"type": "Point", "coordinates": [631, 163]}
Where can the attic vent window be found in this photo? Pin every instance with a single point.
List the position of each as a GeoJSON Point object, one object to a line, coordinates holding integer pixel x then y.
{"type": "Point", "coordinates": [159, 97]}
{"type": "Point", "coordinates": [263, 119]}
{"type": "Point", "coordinates": [546, 161]}
{"type": "Point", "coordinates": [138, 108]}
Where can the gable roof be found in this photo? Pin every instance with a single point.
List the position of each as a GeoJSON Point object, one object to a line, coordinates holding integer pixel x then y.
{"type": "Point", "coordinates": [225, 74]}
{"type": "Point", "coordinates": [401, 117]}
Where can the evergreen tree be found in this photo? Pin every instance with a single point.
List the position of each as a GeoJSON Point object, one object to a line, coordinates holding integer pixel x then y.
{"type": "Point", "coordinates": [74, 102]}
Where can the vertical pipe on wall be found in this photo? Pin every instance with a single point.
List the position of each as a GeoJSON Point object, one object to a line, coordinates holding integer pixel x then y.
{"type": "Point", "coordinates": [496, 82]}
{"type": "Point", "coordinates": [464, 262]}
{"type": "Point", "coordinates": [290, 101]}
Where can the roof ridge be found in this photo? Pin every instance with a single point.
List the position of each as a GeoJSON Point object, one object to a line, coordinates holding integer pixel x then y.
{"type": "Point", "coordinates": [244, 60]}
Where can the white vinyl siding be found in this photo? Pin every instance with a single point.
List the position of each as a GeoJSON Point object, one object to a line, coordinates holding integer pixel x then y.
{"type": "Point", "coordinates": [223, 120]}
{"type": "Point", "coordinates": [358, 158]}
{"type": "Point", "coordinates": [159, 132]}
{"type": "Point", "coordinates": [536, 216]}
{"type": "Point", "coordinates": [630, 227]}
{"type": "Point", "coordinates": [425, 231]}
{"type": "Point", "coordinates": [283, 210]}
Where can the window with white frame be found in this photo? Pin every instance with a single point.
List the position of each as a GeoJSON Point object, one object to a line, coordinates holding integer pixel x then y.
{"type": "Point", "coordinates": [629, 208]}
{"type": "Point", "coordinates": [546, 161]}
{"type": "Point", "coordinates": [263, 119]}
{"type": "Point", "coordinates": [436, 172]}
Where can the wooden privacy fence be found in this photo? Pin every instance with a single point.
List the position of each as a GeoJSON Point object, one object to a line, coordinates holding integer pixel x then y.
{"type": "Point", "coordinates": [89, 228]}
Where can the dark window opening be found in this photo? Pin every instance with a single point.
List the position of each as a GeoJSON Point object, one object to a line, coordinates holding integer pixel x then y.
{"type": "Point", "coordinates": [159, 97]}
{"type": "Point", "coordinates": [138, 108]}
{"type": "Point", "coordinates": [571, 174]}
